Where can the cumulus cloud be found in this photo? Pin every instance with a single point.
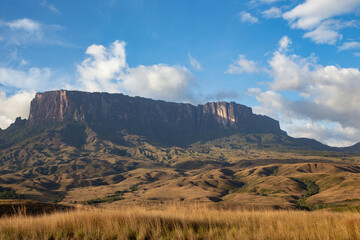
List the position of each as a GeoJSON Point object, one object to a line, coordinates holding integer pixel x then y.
{"type": "Point", "coordinates": [327, 98]}
{"type": "Point", "coordinates": [299, 125]}
{"type": "Point", "coordinates": [316, 17]}
{"type": "Point", "coordinates": [106, 69]}
{"type": "Point", "coordinates": [290, 72]}
{"type": "Point", "coordinates": [272, 103]}
{"type": "Point", "coordinates": [331, 88]}
{"type": "Point", "coordinates": [101, 70]}
{"type": "Point", "coordinates": [17, 105]}
{"type": "Point", "coordinates": [194, 63]}
{"type": "Point", "coordinates": [246, 17]}
{"type": "Point", "coordinates": [273, 12]}
{"type": "Point", "coordinates": [159, 81]}
{"type": "Point", "coordinates": [243, 65]}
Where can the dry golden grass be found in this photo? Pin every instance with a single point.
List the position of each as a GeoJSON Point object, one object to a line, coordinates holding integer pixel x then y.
{"type": "Point", "coordinates": [176, 222]}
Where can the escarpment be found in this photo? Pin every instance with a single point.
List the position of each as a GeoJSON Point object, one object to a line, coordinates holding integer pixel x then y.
{"type": "Point", "coordinates": [159, 119]}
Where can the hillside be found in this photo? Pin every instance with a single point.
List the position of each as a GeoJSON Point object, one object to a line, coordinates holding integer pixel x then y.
{"type": "Point", "coordinates": [97, 148]}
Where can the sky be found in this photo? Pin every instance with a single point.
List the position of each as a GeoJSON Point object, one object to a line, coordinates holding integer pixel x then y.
{"type": "Point", "coordinates": [295, 61]}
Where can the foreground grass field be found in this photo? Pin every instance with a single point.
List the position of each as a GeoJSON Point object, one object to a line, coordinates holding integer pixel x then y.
{"type": "Point", "coordinates": [174, 222]}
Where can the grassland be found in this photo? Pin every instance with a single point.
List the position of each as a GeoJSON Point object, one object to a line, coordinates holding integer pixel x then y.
{"type": "Point", "coordinates": [180, 222]}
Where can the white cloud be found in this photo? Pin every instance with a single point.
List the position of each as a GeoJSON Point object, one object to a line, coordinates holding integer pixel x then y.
{"type": "Point", "coordinates": [25, 24]}
{"type": "Point", "coordinates": [194, 63]}
{"type": "Point", "coordinates": [159, 81]}
{"type": "Point", "coordinates": [327, 98]}
{"type": "Point", "coordinates": [33, 78]}
{"type": "Point", "coordinates": [330, 86]}
{"type": "Point", "coordinates": [349, 45]}
{"type": "Point", "coordinates": [333, 135]}
{"type": "Point", "coordinates": [357, 54]}
{"type": "Point", "coordinates": [327, 32]}
{"type": "Point", "coordinates": [17, 105]}
{"type": "Point", "coordinates": [273, 12]}
{"type": "Point", "coordinates": [243, 65]}
{"type": "Point", "coordinates": [100, 71]}
{"type": "Point", "coordinates": [51, 7]}
{"type": "Point", "coordinates": [284, 43]}
{"type": "Point", "coordinates": [310, 14]}
{"type": "Point", "coordinates": [323, 35]}
{"type": "Point", "coordinates": [25, 31]}
{"type": "Point", "coordinates": [246, 17]}
{"type": "Point", "coordinates": [289, 72]}
{"type": "Point", "coordinates": [271, 103]}
{"type": "Point", "coordinates": [106, 70]}
{"type": "Point", "coordinates": [297, 125]}
{"type": "Point", "coordinates": [316, 17]}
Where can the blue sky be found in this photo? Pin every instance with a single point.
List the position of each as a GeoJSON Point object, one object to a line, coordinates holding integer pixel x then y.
{"type": "Point", "coordinates": [296, 61]}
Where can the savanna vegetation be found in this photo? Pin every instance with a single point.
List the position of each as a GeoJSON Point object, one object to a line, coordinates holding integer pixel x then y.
{"type": "Point", "coordinates": [181, 222]}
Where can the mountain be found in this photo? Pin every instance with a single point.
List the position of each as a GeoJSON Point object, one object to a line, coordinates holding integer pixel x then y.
{"type": "Point", "coordinates": [170, 123]}
{"type": "Point", "coordinates": [98, 148]}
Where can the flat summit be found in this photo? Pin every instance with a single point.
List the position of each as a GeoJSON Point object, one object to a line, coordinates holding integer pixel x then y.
{"type": "Point", "coordinates": [165, 121]}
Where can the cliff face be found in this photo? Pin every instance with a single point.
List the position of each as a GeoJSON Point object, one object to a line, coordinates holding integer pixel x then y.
{"type": "Point", "coordinates": [141, 115]}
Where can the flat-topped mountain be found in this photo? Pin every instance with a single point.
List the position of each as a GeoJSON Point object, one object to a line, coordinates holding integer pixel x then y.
{"type": "Point", "coordinates": [165, 121]}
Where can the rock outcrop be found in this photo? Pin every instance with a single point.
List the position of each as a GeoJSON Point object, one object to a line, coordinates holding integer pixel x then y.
{"type": "Point", "coordinates": [149, 117]}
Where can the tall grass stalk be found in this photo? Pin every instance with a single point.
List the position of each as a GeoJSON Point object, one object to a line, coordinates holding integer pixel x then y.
{"type": "Point", "coordinates": [177, 222]}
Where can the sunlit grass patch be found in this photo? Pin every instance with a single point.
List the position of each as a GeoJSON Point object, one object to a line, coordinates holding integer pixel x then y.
{"type": "Point", "coordinates": [179, 222]}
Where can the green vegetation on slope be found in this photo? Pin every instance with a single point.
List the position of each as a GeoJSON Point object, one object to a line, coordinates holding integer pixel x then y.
{"type": "Point", "coordinates": [311, 188]}
{"type": "Point", "coordinates": [9, 193]}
